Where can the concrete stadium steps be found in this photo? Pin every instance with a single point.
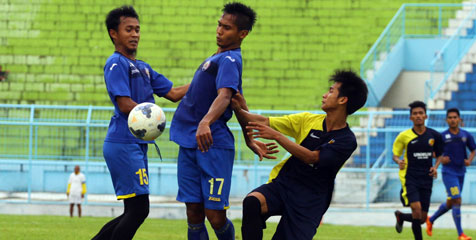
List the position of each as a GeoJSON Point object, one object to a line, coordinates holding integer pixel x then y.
{"type": "Point", "coordinates": [299, 42]}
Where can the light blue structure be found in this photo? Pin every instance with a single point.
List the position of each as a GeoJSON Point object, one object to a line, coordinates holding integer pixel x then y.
{"type": "Point", "coordinates": [40, 145]}
{"type": "Point", "coordinates": [413, 42]}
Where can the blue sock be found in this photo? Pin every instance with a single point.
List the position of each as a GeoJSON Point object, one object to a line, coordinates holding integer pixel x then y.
{"type": "Point", "coordinates": [441, 210]}
{"type": "Point", "coordinates": [197, 231]}
{"type": "Point", "coordinates": [457, 218]}
{"type": "Point", "coordinates": [227, 232]}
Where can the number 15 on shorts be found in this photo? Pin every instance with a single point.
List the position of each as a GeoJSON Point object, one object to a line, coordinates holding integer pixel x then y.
{"type": "Point", "coordinates": [212, 184]}
{"type": "Point", "coordinates": [143, 178]}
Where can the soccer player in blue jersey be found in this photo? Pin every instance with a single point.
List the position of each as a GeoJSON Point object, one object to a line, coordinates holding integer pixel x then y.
{"type": "Point", "coordinates": [300, 187]}
{"type": "Point", "coordinates": [419, 145]}
{"type": "Point", "coordinates": [455, 160]}
{"type": "Point", "coordinates": [206, 154]}
{"type": "Point", "coordinates": [129, 81]}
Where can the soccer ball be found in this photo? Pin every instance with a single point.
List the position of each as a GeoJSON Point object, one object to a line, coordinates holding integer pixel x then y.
{"type": "Point", "coordinates": [146, 121]}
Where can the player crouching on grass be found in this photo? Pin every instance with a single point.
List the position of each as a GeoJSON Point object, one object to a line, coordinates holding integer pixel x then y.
{"type": "Point", "coordinates": [300, 187]}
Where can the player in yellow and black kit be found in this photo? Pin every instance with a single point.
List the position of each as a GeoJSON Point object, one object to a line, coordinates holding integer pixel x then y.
{"type": "Point", "coordinates": [300, 187]}
{"type": "Point", "coordinates": [418, 145]}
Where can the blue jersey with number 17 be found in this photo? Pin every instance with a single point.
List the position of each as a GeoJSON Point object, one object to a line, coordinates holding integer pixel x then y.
{"type": "Point", "coordinates": [455, 149]}
{"type": "Point", "coordinates": [221, 70]}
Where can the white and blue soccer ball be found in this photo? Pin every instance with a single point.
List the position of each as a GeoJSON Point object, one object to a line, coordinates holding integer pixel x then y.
{"type": "Point", "coordinates": [146, 121]}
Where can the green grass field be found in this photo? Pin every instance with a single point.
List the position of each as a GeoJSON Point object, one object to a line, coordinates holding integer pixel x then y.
{"type": "Point", "coordinates": [60, 227]}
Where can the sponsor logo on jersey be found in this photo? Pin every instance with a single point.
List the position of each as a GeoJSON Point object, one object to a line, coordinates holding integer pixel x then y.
{"type": "Point", "coordinates": [431, 142]}
{"type": "Point", "coordinates": [113, 65]}
{"type": "Point", "coordinates": [206, 65]}
{"type": "Point", "coordinates": [134, 69]}
{"type": "Point", "coordinates": [314, 136]}
{"type": "Point", "coordinates": [422, 155]}
{"type": "Point", "coordinates": [215, 199]}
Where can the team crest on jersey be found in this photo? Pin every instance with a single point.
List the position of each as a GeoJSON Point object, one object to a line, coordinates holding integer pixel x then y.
{"type": "Point", "coordinates": [147, 72]}
{"type": "Point", "coordinates": [133, 68]}
{"type": "Point", "coordinates": [431, 142]}
{"type": "Point", "coordinates": [332, 141]}
{"type": "Point", "coordinates": [206, 65]}
{"type": "Point", "coordinates": [463, 139]}
{"type": "Point", "coordinates": [448, 136]}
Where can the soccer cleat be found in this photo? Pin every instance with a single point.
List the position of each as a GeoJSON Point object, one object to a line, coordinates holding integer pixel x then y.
{"type": "Point", "coordinates": [464, 237]}
{"type": "Point", "coordinates": [399, 224]}
{"type": "Point", "coordinates": [429, 227]}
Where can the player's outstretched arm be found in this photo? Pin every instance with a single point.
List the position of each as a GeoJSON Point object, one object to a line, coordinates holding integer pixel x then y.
{"type": "Point", "coordinates": [262, 131]}
{"type": "Point", "coordinates": [259, 148]}
{"type": "Point", "coordinates": [176, 93]}
{"type": "Point", "coordinates": [126, 104]}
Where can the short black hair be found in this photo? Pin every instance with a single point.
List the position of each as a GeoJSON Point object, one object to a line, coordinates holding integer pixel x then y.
{"type": "Point", "coordinates": [417, 104]}
{"type": "Point", "coordinates": [113, 18]}
{"type": "Point", "coordinates": [245, 16]}
{"type": "Point", "coordinates": [352, 87]}
{"type": "Point", "coordinates": [452, 110]}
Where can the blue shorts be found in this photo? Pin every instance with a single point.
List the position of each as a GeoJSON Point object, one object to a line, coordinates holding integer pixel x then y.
{"type": "Point", "coordinates": [453, 185]}
{"type": "Point", "coordinates": [128, 166]}
{"type": "Point", "coordinates": [205, 177]}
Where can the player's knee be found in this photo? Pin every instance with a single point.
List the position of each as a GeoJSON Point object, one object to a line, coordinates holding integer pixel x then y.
{"type": "Point", "coordinates": [217, 220]}
{"type": "Point", "coordinates": [456, 201]}
{"type": "Point", "coordinates": [251, 206]}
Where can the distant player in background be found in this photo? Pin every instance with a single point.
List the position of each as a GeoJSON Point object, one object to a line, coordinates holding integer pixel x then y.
{"type": "Point", "coordinates": [300, 187]}
{"type": "Point", "coordinates": [76, 190]}
{"type": "Point", "coordinates": [129, 82]}
{"type": "Point", "coordinates": [454, 161]}
{"type": "Point", "coordinates": [206, 155]}
{"type": "Point", "coordinates": [418, 146]}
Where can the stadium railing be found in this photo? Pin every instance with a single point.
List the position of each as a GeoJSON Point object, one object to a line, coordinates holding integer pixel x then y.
{"type": "Point", "coordinates": [40, 145]}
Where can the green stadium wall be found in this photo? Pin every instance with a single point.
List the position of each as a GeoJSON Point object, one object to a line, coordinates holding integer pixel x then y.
{"type": "Point", "coordinates": [55, 50]}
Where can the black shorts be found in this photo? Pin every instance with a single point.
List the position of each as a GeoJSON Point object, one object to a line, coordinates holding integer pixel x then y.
{"type": "Point", "coordinates": [416, 191]}
{"type": "Point", "coordinates": [301, 209]}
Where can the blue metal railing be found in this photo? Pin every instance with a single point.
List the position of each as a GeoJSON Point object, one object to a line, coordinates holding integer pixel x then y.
{"type": "Point", "coordinates": [450, 55]}
{"type": "Point", "coordinates": [375, 157]}
{"type": "Point", "coordinates": [410, 22]}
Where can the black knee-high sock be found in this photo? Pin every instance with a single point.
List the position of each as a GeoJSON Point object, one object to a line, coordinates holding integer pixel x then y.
{"type": "Point", "coordinates": [252, 226]}
{"type": "Point", "coordinates": [136, 211]}
{"type": "Point", "coordinates": [416, 228]}
{"type": "Point", "coordinates": [407, 217]}
{"type": "Point", "coordinates": [106, 231]}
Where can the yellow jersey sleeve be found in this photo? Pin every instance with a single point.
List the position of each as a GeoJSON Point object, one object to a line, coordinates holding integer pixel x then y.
{"type": "Point", "coordinates": [290, 125]}
{"type": "Point", "coordinates": [398, 145]}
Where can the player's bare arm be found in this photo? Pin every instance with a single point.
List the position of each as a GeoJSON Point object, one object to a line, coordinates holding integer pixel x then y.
{"type": "Point", "coordinates": [238, 104]}
{"type": "Point", "coordinates": [176, 93]}
{"type": "Point", "coordinates": [259, 148]}
{"type": "Point", "coordinates": [400, 162]}
{"type": "Point", "coordinates": [262, 131]}
{"type": "Point", "coordinates": [126, 104]}
{"type": "Point", "coordinates": [433, 170]}
{"type": "Point", "coordinates": [468, 161]}
{"type": "Point", "coordinates": [204, 134]}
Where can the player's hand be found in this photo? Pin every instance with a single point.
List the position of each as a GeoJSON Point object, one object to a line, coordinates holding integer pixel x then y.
{"type": "Point", "coordinates": [467, 162]}
{"type": "Point", "coordinates": [401, 164]}
{"type": "Point", "coordinates": [82, 195]}
{"type": "Point", "coordinates": [263, 149]}
{"type": "Point", "coordinates": [262, 131]}
{"type": "Point", "coordinates": [237, 101]}
{"type": "Point", "coordinates": [67, 194]}
{"type": "Point", "coordinates": [445, 160]}
{"type": "Point", "coordinates": [433, 172]}
{"type": "Point", "coordinates": [204, 137]}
